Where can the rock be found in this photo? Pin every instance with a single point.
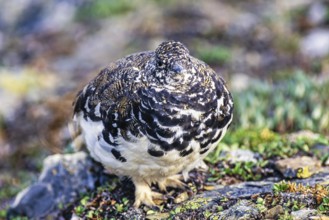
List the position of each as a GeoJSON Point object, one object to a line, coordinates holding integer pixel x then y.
{"type": "Point", "coordinates": [316, 43]}
{"type": "Point", "coordinates": [301, 167]}
{"type": "Point", "coordinates": [244, 209]}
{"type": "Point", "coordinates": [241, 190]}
{"type": "Point", "coordinates": [317, 13]}
{"type": "Point", "coordinates": [303, 214]}
{"type": "Point", "coordinates": [35, 201]}
{"type": "Point", "coordinates": [158, 216]}
{"type": "Point", "coordinates": [321, 151]}
{"type": "Point", "coordinates": [133, 213]}
{"type": "Point", "coordinates": [274, 212]}
{"type": "Point", "coordinates": [63, 179]}
{"type": "Point", "coordinates": [239, 155]}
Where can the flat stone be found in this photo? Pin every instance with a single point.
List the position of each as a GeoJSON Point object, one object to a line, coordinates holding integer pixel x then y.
{"type": "Point", "coordinates": [63, 179]}
{"type": "Point", "coordinates": [303, 214]}
{"type": "Point", "coordinates": [301, 167]}
{"type": "Point", "coordinates": [35, 201]}
{"type": "Point", "coordinates": [248, 189]}
{"type": "Point", "coordinates": [244, 209]}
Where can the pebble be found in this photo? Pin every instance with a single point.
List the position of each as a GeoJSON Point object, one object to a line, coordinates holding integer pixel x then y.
{"type": "Point", "coordinates": [301, 167]}
{"type": "Point", "coordinates": [274, 212]}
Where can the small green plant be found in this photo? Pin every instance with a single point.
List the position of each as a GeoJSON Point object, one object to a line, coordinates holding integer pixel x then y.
{"type": "Point", "coordinates": [243, 170]}
{"type": "Point", "coordinates": [207, 214]}
{"type": "Point", "coordinates": [260, 203]}
{"type": "Point", "coordinates": [294, 101]}
{"type": "Point", "coordinates": [79, 210]}
{"type": "Point", "coordinates": [324, 206]}
{"type": "Point", "coordinates": [297, 206]}
{"type": "Point", "coordinates": [285, 216]}
{"type": "Point", "coordinates": [282, 186]}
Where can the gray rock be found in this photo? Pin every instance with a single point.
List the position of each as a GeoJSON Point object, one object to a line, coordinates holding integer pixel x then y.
{"type": "Point", "coordinates": [239, 155]}
{"type": "Point", "coordinates": [63, 179]}
{"type": "Point", "coordinates": [244, 209]}
{"type": "Point", "coordinates": [241, 190]}
{"type": "Point", "coordinates": [321, 151]}
{"type": "Point", "coordinates": [316, 43]}
{"type": "Point", "coordinates": [35, 201]}
{"type": "Point", "coordinates": [303, 214]}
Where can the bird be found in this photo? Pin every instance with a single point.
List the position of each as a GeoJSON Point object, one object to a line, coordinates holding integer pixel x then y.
{"type": "Point", "coordinates": [153, 116]}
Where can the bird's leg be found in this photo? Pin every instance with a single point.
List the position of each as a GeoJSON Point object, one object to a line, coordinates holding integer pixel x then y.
{"type": "Point", "coordinates": [144, 194]}
{"type": "Point", "coordinates": [171, 181]}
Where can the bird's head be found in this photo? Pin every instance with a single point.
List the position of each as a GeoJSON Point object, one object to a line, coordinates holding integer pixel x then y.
{"type": "Point", "coordinates": [172, 61]}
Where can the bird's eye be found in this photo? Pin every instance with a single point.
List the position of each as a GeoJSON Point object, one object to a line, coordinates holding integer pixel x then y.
{"type": "Point", "coordinates": [160, 63]}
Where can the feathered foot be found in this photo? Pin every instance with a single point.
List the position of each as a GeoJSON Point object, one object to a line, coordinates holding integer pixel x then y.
{"type": "Point", "coordinates": [202, 166]}
{"type": "Point", "coordinates": [172, 181]}
{"type": "Point", "coordinates": [144, 194]}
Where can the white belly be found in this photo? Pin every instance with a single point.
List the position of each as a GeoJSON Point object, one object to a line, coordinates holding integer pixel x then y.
{"type": "Point", "coordinates": [139, 162]}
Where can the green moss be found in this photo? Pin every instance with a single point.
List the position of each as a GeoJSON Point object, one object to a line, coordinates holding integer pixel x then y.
{"type": "Point", "coordinates": [12, 184]}
{"type": "Point", "coordinates": [3, 213]}
{"type": "Point", "coordinates": [265, 142]}
{"type": "Point", "coordinates": [99, 9]}
{"type": "Point", "coordinates": [213, 54]}
{"type": "Point", "coordinates": [190, 206]}
{"type": "Point", "coordinates": [268, 145]}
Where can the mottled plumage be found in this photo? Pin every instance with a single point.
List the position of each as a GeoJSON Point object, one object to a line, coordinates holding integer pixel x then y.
{"type": "Point", "coordinates": [152, 115]}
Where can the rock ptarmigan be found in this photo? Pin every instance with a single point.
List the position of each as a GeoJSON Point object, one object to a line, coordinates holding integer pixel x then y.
{"type": "Point", "coordinates": [153, 115]}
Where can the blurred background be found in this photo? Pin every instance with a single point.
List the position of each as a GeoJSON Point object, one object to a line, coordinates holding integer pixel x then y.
{"type": "Point", "coordinates": [274, 56]}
